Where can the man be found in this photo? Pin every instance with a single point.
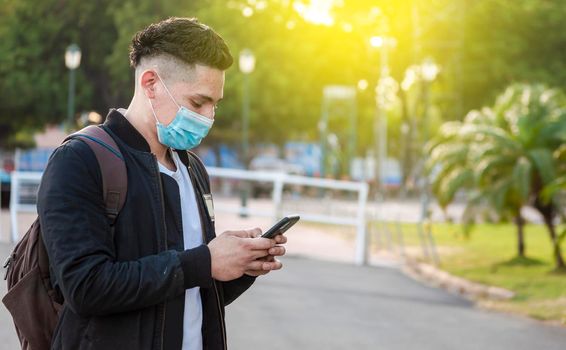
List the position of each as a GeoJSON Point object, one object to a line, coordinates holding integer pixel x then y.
{"type": "Point", "coordinates": [160, 278]}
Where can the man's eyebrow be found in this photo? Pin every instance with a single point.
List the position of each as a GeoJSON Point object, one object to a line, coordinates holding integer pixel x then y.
{"type": "Point", "coordinates": [206, 98]}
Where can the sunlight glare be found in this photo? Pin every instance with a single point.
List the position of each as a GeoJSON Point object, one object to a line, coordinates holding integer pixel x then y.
{"type": "Point", "coordinates": [317, 11]}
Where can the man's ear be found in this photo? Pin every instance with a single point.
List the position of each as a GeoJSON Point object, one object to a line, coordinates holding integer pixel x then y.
{"type": "Point", "coordinates": [148, 82]}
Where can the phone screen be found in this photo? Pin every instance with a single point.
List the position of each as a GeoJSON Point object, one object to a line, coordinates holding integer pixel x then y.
{"type": "Point", "coordinates": [282, 226]}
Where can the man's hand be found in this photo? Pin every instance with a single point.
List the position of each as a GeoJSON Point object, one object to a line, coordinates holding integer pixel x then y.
{"type": "Point", "coordinates": [269, 262]}
{"type": "Point", "coordinates": [235, 252]}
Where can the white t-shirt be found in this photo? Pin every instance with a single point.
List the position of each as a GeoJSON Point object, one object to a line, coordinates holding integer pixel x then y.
{"type": "Point", "coordinates": [192, 237]}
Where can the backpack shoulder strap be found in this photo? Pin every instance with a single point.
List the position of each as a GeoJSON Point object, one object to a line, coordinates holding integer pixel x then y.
{"type": "Point", "coordinates": [112, 167]}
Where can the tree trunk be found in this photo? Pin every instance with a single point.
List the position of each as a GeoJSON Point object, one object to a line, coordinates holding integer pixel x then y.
{"type": "Point", "coordinates": [520, 222]}
{"type": "Point", "coordinates": [406, 141]}
{"type": "Point", "coordinates": [559, 261]}
{"type": "Point", "coordinates": [548, 211]}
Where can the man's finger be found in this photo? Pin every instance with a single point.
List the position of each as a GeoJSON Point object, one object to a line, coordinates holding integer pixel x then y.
{"type": "Point", "coordinates": [251, 232]}
{"type": "Point", "coordinates": [281, 239]}
{"type": "Point", "coordinates": [266, 258]}
{"type": "Point", "coordinates": [277, 251]}
{"type": "Point", "coordinates": [255, 232]}
{"type": "Point", "coordinates": [264, 265]}
{"type": "Point", "coordinates": [256, 265]}
{"type": "Point", "coordinates": [259, 243]}
{"type": "Point", "coordinates": [259, 254]}
{"type": "Point", "coordinates": [269, 266]}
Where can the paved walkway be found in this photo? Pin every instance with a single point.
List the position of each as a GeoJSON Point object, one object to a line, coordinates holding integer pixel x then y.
{"type": "Point", "coordinates": [321, 301]}
{"type": "Point", "coordinates": [322, 305]}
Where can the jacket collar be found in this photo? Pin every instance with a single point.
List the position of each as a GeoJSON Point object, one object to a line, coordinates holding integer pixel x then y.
{"type": "Point", "coordinates": [120, 126]}
{"type": "Point", "coordinates": [183, 156]}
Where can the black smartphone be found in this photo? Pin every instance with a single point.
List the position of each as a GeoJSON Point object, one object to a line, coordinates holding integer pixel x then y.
{"type": "Point", "coordinates": [282, 226]}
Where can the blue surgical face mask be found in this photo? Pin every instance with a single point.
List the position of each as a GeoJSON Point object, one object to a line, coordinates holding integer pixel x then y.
{"type": "Point", "coordinates": [187, 129]}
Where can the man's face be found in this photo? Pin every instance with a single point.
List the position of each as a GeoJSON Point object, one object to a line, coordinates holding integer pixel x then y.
{"type": "Point", "coordinates": [201, 94]}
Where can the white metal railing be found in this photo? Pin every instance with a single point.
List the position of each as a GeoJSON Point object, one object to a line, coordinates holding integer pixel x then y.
{"type": "Point", "coordinates": [279, 180]}
{"type": "Point", "coordinates": [23, 183]}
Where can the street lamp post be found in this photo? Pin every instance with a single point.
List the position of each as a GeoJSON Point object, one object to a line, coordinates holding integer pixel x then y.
{"type": "Point", "coordinates": [382, 89]}
{"type": "Point", "coordinates": [247, 65]}
{"type": "Point", "coordinates": [428, 71]}
{"type": "Point", "coordinates": [411, 76]}
{"type": "Point", "coordinates": [72, 61]}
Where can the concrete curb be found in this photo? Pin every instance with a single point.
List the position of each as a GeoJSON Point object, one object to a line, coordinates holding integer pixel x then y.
{"type": "Point", "coordinates": [438, 278]}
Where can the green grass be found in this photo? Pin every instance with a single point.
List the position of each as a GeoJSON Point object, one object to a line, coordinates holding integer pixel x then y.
{"type": "Point", "coordinates": [489, 256]}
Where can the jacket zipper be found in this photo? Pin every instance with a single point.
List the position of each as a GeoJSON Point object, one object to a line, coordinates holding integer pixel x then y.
{"type": "Point", "coordinates": [165, 237]}
{"type": "Point", "coordinates": [220, 314]}
{"type": "Point", "coordinates": [213, 281]}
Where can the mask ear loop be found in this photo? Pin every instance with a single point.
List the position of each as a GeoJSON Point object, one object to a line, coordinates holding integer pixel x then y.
{"type": "Point", "coordinates": [166, 89]}
{"type": "Point", "coordinates": [168, 92]}
{"type": "Point", "coordinates": [153, 110]}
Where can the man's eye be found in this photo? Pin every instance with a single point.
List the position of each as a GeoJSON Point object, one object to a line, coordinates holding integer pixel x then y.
{"type": "Point", "coordinates": [196, 105]}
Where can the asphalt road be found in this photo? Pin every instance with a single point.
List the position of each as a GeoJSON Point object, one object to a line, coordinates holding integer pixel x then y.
{"type": "Point", "coordinates": [324, 305]}
{"type": "Point", "coordinates": [315, 304]}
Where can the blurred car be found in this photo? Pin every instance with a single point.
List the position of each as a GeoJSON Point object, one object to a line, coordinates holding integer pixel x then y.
{"type": "Point", "coordinates": [5, 181]}
{"type": "Point", "coordinates": [271, 164]}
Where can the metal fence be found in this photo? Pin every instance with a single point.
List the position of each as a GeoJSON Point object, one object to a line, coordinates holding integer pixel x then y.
{"type": "Point", "coordinates": [25, 185]}
{"type": "Point", "coordinates": [280, 180]}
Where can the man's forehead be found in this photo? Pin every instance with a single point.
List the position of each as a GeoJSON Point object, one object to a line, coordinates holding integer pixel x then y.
{"type": "Point", "coordinates": [202, 92]}
{"type": "Point", "coordinates": [207, 97]}
{"type": "Point", "coordinates": [204, 73]}
{"type": "Point", "coordinates": [206, 83]}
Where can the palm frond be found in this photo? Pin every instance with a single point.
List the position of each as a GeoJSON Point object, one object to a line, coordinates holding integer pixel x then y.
{"type": "Point", "coordinates": [553, 188]}
{"type": "Point", "coordinates": [482, 133]}
{"type": "Point", "coordinates": [544, 164]}
{"type": "Point", "coordinates": [498, 163]}
{"type": "Point", "coordinates": [458, 179]}
{"type": "Point", "coordinates": [522, 178]}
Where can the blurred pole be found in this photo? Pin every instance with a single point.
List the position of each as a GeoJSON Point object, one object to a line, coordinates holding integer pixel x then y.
{"type": "Point", "coordinates": [380, 126]}
{"type": "Point", "coordinates": [71, 98]}
{"type": "Point", "coordinates": [72, 62]}
{"type": "Point", "coordinates": [245, 143]}
{"type": "Point", "coordinates": [423, 219]}
{"type": "Point", "coordinates": [425, 185]}
{"type": "Point", "coordinates": [382, 150]}
{"type": "Point", "coordinates": [429, 70]}
{"type": "Point", "coordinates": [426, 222]}
{"type": "Point", "coordinates": [323, 129]}
{"type": "Point", "coordinates": [247, 65]}
{"type": "Point", "coordinates": [380, 122]}
{"type": "Point", "coordinates": [352, 137]}
{"type": "Point", "coordinates": [404, 159]}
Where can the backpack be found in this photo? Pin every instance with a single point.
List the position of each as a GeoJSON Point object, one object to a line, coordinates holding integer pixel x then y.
{"type": "Point", "coordinates": [32, 300]}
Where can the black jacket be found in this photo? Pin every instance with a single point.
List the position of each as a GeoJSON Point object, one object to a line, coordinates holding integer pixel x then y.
{"type": "Point", "coordinates": [125, 290]}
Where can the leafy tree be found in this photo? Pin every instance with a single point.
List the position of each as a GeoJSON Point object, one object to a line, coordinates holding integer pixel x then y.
{"type": "Point", "coordinates": [507, 155]}
{"type": "Point", "coordinates": [33, 76]}
{"type": "Point", "coordinates": [478, 44]}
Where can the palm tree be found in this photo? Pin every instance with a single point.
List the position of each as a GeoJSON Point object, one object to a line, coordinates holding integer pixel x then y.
{"type": "Point", "coordinates": [464, 161]}
{"type": "Point", "coordinates": [555, 191]}
{"type": "Point", "coordinates": [511, 152]}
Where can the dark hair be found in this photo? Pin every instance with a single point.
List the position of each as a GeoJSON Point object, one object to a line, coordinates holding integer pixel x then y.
{"type": "Point", "coordinates": [184, 38]}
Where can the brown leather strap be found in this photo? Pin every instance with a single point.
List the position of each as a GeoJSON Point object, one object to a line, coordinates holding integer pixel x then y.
{"type": "Point", "coordinates": [112, 167]}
